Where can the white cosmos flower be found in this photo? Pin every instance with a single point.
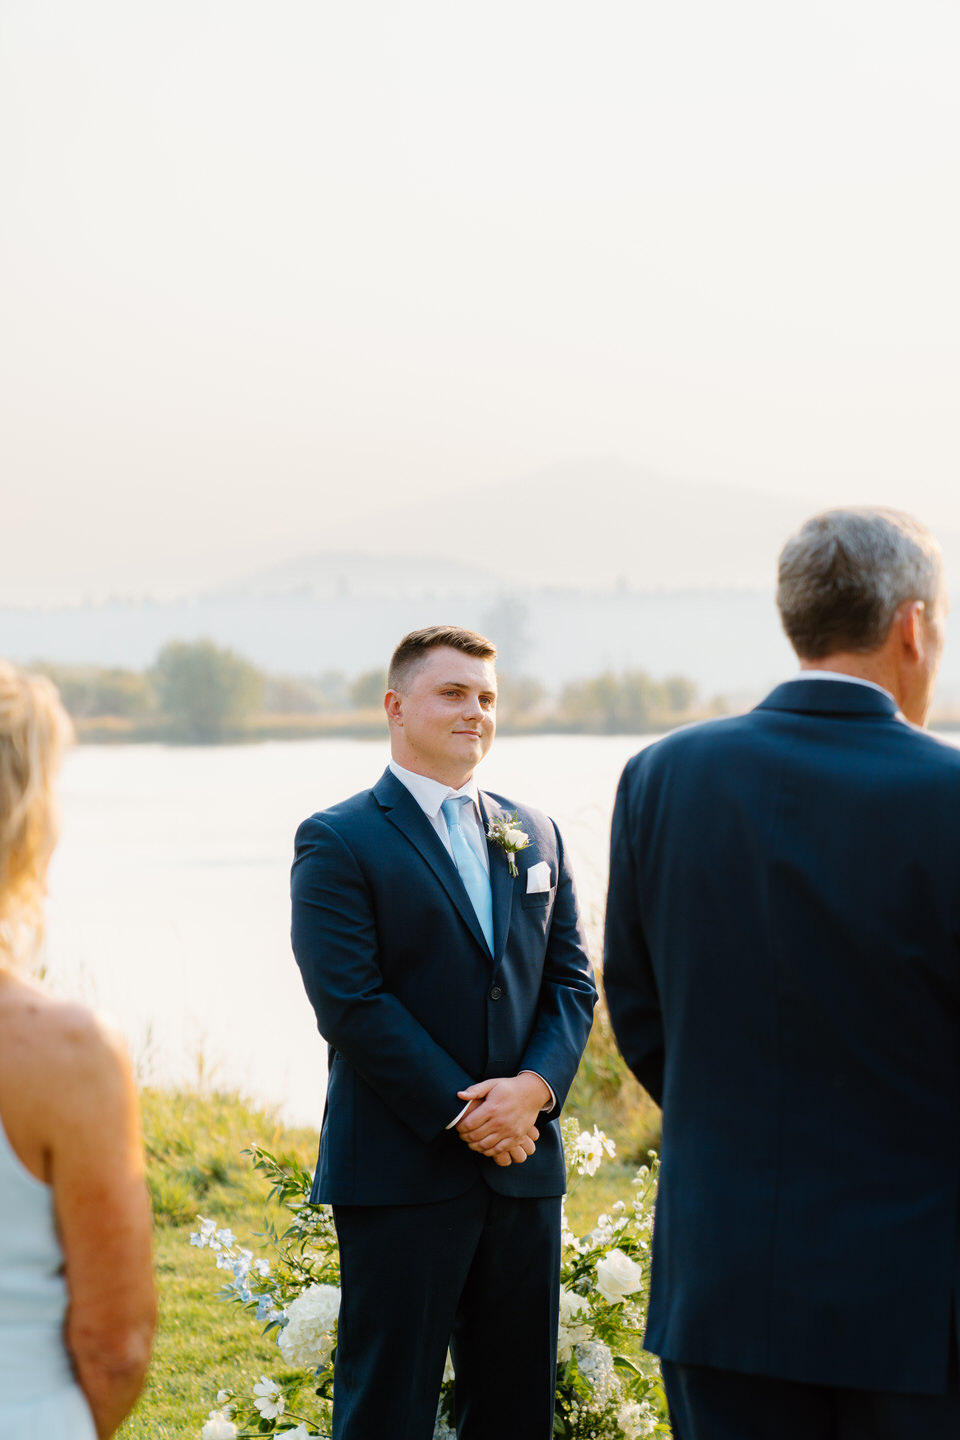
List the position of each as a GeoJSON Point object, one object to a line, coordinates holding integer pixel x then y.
{"type": "Point", "coordinates": [589, 1149]}
{"type": "Point", "coordinates": [270, 1403]}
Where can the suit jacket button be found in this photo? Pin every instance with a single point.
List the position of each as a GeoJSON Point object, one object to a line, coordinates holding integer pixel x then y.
{"type": "Point", "coordinates": [495, 993]}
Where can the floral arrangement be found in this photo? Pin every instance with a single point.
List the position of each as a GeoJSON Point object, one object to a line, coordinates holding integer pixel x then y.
{"type": "Point", "coordinates": [505, 832]}
{"type": "Point", "coordinates": [608, 1388]}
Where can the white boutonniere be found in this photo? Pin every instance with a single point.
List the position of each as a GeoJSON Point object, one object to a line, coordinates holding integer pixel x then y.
{"type": "Point", "coordinates": [506, 833]}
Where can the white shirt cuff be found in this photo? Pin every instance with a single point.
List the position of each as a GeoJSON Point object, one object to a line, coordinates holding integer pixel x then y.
{"type": "Point", "coordinates": [553, 1099]}
{"type": "Point", "coordinates": [551, 1103]}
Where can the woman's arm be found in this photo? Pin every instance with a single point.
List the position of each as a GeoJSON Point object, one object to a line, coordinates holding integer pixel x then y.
{"type": "Point", "coordinates": [103, 1213]}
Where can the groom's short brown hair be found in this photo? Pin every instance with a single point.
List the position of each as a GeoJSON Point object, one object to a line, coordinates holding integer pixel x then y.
{"type": "Point", "coordinates": [413, 649]}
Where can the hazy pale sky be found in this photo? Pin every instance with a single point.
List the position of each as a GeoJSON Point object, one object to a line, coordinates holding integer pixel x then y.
{"type": "Point", "coordinates": [265, 267]}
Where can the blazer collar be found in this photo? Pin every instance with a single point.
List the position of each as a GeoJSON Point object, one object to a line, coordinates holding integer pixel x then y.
{"type": "Point", "coordinates": [829, 697]}
{"type": "Point", "coordinates": [402, 810]}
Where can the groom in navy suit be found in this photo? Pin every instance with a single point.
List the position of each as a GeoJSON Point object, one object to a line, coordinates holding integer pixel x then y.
{"type": "Point", "coordinates": [783, 974]}
{"type": "Point", "coordinates": [456, 998]}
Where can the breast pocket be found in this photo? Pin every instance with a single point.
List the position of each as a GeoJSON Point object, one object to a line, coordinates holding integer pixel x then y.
{"type": "Point", "coordinates": [537, 900]}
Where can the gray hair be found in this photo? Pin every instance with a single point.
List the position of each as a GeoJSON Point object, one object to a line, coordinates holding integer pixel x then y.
{"type": "Point", "coordinates": [844, 575]}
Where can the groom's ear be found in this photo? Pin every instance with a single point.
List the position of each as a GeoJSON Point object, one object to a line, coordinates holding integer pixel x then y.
{"type": "Point", "coordinates": [393, 705]}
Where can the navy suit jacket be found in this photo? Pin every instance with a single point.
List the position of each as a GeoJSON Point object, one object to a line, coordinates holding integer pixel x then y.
{"type": "Point", "coordinates": [783, 974]}
{"type": "Point", "coordinates": [415, 1008]}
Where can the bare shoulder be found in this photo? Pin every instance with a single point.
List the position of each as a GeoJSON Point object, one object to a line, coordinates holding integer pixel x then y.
{"type": "Point", "coordinates": [57, 1048]}
{"type": "Point", "coordinates": [65, 1078]}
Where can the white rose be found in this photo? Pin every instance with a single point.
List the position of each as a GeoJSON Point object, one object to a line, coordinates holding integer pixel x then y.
{"type": "Point", "coordinates": [618, 1275]}
{"type": "Point", "coordinates": [516, 839]}
{"type": "Point", "coordinates": [218, 1427]}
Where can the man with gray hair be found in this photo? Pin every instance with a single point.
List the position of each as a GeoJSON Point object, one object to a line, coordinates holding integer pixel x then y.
{"type": "Point", "coordinates": [783, 975]}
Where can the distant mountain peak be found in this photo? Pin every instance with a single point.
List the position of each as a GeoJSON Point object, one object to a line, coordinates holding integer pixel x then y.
{"type": "Point", "coordinates": [332, 575]}
{"type": "Point", "coordinates": [590, 523]}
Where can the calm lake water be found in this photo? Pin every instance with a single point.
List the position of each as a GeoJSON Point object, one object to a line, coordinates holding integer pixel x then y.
{"type": "Point", "coordinates": [169, 903]}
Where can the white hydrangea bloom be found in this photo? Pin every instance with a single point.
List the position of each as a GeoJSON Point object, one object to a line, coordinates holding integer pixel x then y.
{"type": "Point", "coordinates": [573, 1328]}
{"type": "Point", "coordinates": [218, 1427]}
{"type": "Point", "coordinates": [617, 1275]}
{"type": "Point", "coordinates": [308, 1336]}
{"type": "Point", "coordinates": [595, 1362]}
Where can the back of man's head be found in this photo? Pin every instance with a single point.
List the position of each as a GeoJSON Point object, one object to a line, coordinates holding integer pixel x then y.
{"type": "Point", "coordinates": [414, 648]}
{"type": "Point", "coordinates": [844, 575]}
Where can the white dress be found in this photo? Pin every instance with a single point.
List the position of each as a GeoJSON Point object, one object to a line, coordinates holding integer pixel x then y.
{"type": "Point", "coordinates": [39, 1397]}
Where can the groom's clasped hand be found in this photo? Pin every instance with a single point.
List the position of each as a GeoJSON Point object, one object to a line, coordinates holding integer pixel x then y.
{"type": "Point", "coordinates": [500, 1121]}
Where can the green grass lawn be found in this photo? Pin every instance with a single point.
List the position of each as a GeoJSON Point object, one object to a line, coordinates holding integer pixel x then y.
{"type": "Point", "coordinates": [195, 1141]}
{"type": "Point", "coordinates": [196, 1166]}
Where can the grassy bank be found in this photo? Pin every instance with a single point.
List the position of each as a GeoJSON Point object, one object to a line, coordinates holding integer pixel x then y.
{"type": "Point", "coordinates": [195, 1140]}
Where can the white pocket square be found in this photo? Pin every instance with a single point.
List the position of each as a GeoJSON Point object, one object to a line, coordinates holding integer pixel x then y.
{"type": "Point", "coordinates": [538, 878]}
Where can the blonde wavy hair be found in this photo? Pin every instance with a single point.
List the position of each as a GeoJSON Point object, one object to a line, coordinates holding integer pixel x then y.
{"type": "Point", "coordinates": [34, 732]}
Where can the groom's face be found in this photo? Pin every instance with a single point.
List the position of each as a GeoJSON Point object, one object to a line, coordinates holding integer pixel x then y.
{"type": "Point", "coordinates": [442, 723]}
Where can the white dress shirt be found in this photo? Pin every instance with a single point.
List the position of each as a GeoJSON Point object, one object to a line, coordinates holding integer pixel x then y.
{"type": "Point", "coordinates": [430, 795]}
{"type": "Point", "coordinates": [839, 675]}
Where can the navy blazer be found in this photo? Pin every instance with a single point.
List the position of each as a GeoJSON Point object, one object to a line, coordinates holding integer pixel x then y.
{"type": "Point", "coordinates": [415, 1008]}
{"type": "Point", "coordinates": [783, 974]}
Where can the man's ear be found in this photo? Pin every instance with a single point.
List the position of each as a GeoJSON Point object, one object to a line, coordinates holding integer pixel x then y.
{"type": "Point", "coordinates": [909, 622]}
{"type": "Point", "coordinates": [393, 704]}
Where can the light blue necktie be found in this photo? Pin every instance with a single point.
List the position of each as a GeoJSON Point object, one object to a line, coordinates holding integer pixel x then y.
{"type": "Point", "coordinates": [475, 879]}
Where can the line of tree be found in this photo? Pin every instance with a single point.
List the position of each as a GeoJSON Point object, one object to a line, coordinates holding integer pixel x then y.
{"type": "Point", "coordinates": [202, 693]}
{"type": "Point", "coordinates": [196, 692]}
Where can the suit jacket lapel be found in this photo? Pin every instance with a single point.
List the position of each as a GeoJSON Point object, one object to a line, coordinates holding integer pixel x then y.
{"type": "Point", "coordinates": [501, 881]}
{"type": "Point", "coordinates": [403, 811]}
